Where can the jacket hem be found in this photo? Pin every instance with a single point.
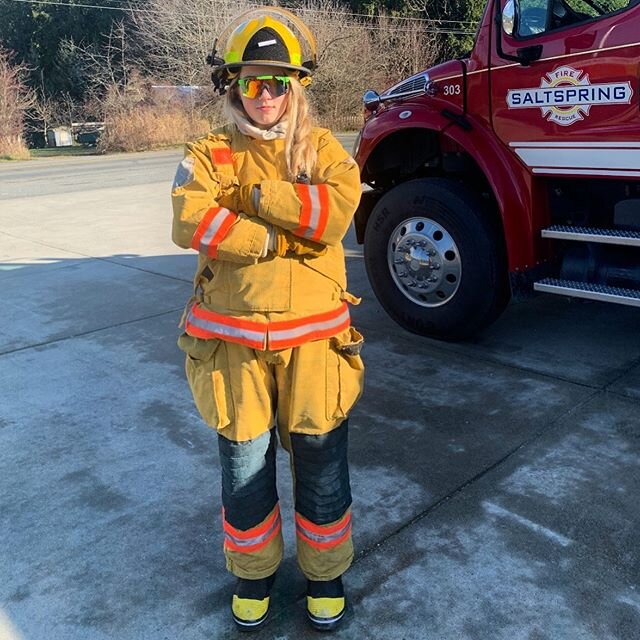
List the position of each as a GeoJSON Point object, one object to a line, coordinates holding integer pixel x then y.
{"type": "Point", "coordinates": [266, 335]}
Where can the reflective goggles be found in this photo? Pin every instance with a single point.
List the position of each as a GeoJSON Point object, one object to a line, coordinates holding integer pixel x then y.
{"type": "Point", "coordinates": [252, 86]}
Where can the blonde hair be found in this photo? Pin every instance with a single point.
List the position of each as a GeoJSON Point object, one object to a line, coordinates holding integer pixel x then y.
{"type": "Point", "coordinates": [300, 153]}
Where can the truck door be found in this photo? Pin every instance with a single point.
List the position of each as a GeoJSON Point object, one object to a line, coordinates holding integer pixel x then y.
{"type": "Point", "coordinates": [573, 108]}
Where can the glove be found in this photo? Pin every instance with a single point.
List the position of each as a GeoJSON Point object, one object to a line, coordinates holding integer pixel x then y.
{"type": "Point", "coordinates": [249, 199]}
{"type": "Point", "coordinates": [227, 192]}
{"type": "Point", "coordinates": [285, 242]}
{"type": "Point", "coordinates": [245, 198]}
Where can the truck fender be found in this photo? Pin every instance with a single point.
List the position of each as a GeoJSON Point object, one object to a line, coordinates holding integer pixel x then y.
{"type": "Point", "coordinates": [385, 131]}
{"type": "Point", "coordinates": [511, 190]}
{"type": "Point", "coordinates": [392, 122]}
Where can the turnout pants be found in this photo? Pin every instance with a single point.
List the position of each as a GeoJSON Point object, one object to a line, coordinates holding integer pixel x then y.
{"type": "Point", "coordinates": [304, 394]}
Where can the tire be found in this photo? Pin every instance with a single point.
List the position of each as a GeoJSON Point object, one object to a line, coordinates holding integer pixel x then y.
{"type": "Point", "coordinates": [434, 259]}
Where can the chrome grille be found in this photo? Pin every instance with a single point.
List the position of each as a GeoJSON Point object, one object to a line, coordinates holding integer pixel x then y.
{"type": "Point", "coordinates": [416, 83]}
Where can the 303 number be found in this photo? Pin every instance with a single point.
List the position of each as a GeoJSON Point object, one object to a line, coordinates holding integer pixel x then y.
{"type": "Point", "coordinates": [452, 89]}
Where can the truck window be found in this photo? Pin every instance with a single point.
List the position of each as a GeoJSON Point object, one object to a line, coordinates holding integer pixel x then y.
{"type": "Point", "coordinates": [542, 16]}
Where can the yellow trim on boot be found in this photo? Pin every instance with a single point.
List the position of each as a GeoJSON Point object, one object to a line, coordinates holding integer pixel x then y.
{"type": "Point", "coordinates": [249, 612]}
{"type": "Point", "coordinates": [325, 610]}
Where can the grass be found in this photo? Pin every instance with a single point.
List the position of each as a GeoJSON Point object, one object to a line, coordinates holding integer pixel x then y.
{"type": "Point", "coordinates": [13, 148]}
{"type": "Point", "coordinates": [61, 152]}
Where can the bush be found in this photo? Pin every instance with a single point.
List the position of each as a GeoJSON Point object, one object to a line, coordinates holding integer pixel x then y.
{"type": "Point", "coordinates": [136, 120]}
{"type": "Point", "coordinates": [13, 148]}
{"type": "Point", "coordinates": [358, 55]}
{"type": "Point", "coordinates": [149, 127]}
{"type": "Point", "coordinates": [15, 99]}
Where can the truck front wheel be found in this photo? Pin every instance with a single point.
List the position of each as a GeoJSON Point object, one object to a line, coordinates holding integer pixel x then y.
{"type": "Point", "coordinates": [434, 260]}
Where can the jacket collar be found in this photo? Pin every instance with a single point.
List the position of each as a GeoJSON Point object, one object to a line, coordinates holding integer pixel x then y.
{"type": "Point", "coordinates": [245, 126]}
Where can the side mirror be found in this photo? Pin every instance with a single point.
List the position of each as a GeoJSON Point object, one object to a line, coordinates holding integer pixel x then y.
{"type": "Point", "coordinates": [371, 100]}
{"type": "Point", "coordinates": [509, 20]}
{"type": "Point", "coordinates": [510, 17]}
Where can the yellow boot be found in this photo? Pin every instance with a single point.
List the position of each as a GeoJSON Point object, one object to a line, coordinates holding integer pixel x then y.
{"type": "Point", "coordinates": [326, 603]}
{"type": "Point", "coordinates": [250, 604]}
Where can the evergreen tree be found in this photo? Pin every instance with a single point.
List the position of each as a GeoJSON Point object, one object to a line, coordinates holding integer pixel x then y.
{"type": "Point", "coordinates": [42, 36]}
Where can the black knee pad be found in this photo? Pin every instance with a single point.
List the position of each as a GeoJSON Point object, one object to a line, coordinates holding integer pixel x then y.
{"type": "Point", "coordinates": [323, 492]}
{"type": "Point", "coordinates": [248, 479]}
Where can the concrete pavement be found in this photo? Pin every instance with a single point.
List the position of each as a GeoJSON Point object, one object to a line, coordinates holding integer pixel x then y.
{"type": "Point", "coordinates": [495, 482]}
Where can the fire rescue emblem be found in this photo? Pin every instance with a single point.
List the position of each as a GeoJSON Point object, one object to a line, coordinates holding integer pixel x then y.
{"type": "Point", "coordinates": [566, 95]}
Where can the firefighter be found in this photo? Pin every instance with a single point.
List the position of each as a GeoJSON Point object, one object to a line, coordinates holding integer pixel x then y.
{"type": "Point", "coordinates": [266, 201]}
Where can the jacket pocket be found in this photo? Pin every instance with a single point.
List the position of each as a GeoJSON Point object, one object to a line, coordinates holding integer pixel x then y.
{"type": "Point", "coordinates": [345, 373]}
{"type": "Point", "coordinates": [206, 367]}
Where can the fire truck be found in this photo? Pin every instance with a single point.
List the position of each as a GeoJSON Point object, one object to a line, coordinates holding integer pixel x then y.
{"type": "Point", "coordinates": [515, 168]}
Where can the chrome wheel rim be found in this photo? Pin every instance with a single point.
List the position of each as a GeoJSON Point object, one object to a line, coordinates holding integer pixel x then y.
{"type": "Point", "coordinates": [424, 262]}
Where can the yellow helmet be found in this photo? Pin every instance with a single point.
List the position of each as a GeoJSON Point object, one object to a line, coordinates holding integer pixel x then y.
{"type": "Point", "coordinates": [263, 37]}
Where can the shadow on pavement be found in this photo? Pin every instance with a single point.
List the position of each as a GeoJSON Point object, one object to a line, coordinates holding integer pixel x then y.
{"type": "Point", "coordinates": [495, 482]}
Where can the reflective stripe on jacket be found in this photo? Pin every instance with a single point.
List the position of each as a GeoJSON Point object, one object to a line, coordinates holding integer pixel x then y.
{"type": "Point", "coordinates": [272, 302]}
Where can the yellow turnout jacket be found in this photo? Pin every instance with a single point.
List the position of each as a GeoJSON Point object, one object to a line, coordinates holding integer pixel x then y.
{"type": "Point", "coordinates": [277, 301]}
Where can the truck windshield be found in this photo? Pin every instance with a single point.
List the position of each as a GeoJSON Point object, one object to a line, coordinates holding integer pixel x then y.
{"type": "Point", "coordinates": [541, 16]}
{"type": "Point", "coordinates": [594, 8]}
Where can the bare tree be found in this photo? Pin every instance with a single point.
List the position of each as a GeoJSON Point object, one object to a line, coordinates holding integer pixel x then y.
{"type": "Point", "coordinates": [407, 47]}
{"type": "Point", "coordinates": [15, 100]}
{"type": "Point", "coordinates": [177, 35]}
{"type": "Point", "coordinates": [108, 66]}
{"type": "Point", "coordinates": [67, 109]}
{"type": "Point", "coordinates": [357, 54]}
{"type": "Point", "coordinates": [43, 115]}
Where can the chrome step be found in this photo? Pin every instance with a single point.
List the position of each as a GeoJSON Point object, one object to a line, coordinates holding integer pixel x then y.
{"type": "Point", "coordinates": [589, 291]}
{"type": "Point", "coordinates": [592, 234]}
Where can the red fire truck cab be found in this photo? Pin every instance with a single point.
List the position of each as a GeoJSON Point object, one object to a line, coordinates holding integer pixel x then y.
{"type": "Point", "coordinates": [514, 168]}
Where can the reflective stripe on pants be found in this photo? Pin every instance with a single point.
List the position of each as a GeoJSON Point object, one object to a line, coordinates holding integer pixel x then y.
{"type": "Point", "coordinates": [253, 541]}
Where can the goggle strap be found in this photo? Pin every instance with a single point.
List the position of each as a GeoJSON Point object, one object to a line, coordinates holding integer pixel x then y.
{"type": "Point", "coordinates": [281, 78]}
